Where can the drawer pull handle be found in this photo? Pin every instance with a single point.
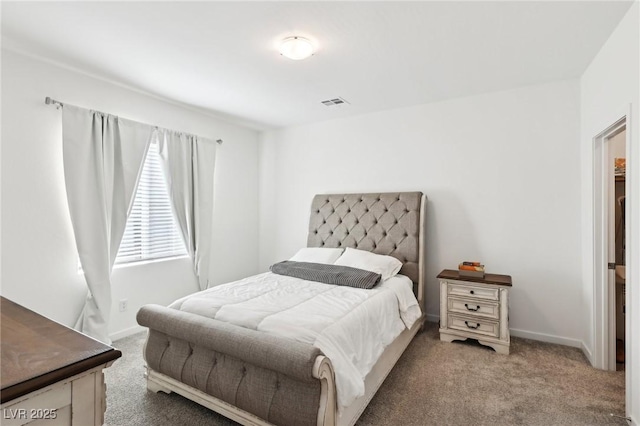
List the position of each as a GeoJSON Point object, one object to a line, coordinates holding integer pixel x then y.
{"type": "Point", "coordinates": [471, 309]}
{"type": "Point", "coordinates": [472, 326]}
{"type": "Point", "coordinates": [472, 292]}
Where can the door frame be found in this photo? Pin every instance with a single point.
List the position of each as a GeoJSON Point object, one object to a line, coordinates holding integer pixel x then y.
{"type": "Point", "coordinates": [604, 355]}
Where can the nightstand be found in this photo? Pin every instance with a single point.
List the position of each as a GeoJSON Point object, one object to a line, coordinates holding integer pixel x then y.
{"type": "Point", "coordinates": [51, 374]}
{"type": "Point", "coordinates": [475, 308]}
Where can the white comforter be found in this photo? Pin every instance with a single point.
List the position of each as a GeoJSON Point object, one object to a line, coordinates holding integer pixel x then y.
{"type": "Point", "coordinates": [349, 325]}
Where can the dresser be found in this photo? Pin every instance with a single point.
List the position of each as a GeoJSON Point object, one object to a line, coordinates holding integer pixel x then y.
{"type": "Point", "coordinates": [475, 308]}
{"type": "Point", "coordinates": [51, 374]}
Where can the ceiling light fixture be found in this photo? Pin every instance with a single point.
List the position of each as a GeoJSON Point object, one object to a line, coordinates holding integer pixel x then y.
{"type": "Point", "coordinates": [296, 48]}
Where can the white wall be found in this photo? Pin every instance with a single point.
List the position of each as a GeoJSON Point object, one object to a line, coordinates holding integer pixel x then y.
{"type": "Point", "coordinates": [608, 87]}
{"type": "Point", "coordinates": [501, 171]}
{"type": "Point", "coordinates": [38, 250]}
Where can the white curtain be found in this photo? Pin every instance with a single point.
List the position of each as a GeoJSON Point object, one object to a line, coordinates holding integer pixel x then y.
{"type": "Point", "coordinates": [188, 163]}
{"type": "Point", "coordinates": [103, 157]}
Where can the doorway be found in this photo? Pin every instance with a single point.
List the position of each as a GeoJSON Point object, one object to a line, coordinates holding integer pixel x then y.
{"type": "Point", "coordinates": [617, 240]}
{"type": "Point", "coordinates": [610, 242]}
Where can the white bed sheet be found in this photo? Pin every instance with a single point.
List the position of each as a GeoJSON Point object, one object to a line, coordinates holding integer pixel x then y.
{"type": "Point", "coordinates": [351, 326]}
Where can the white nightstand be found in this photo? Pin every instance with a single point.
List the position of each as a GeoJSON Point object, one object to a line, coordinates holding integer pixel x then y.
{"type": "Point", "coordinates": [475, 308]}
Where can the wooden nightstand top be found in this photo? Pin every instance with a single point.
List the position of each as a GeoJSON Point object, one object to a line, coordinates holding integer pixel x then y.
{"type": "Point", "coordinates": [452, 274]}
{"type": "Point", "coordinates": [37, 351]}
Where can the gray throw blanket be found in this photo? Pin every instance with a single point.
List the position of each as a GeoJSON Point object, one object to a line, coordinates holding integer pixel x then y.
{"type": "Point", "coordinates": [328, 274]}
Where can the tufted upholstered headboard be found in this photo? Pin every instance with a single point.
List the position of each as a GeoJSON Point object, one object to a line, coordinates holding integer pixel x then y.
{"type": "Point", "coordinates": [389, 223]}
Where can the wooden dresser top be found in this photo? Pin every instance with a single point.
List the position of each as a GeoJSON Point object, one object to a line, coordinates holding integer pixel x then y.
{"type": "Point", "coordinates": [496, 279]}
{"type": "Point", "coordinates": [37, 351]}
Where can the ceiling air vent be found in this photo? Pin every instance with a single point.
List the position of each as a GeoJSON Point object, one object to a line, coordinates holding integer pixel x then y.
{"type": "Point", "coordinates": [335, 101]}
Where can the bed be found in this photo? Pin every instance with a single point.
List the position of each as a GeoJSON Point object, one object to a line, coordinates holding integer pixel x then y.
{"type": "Point", "coordinates": [259, 378]}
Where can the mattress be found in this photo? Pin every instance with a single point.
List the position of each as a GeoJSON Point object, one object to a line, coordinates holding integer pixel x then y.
{"type": "Point", "coordinates": [351, 326]}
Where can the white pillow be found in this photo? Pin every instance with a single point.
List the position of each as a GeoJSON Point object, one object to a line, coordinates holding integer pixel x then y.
{"type": "Point", "coordinates": [386, 266]}
{"type": "Point", "coordinates": [317, 255]}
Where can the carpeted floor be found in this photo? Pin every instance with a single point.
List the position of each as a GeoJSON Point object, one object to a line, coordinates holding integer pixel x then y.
{"type": "Point", "coordinates": [434, 383]}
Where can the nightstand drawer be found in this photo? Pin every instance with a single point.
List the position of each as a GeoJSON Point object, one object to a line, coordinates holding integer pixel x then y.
{"type": "Point", "coordinates": [475, 292]}
{"type": "Point", "coordinates": [474, 307]}
{"type": "Point", "coordinates": [476, 325]}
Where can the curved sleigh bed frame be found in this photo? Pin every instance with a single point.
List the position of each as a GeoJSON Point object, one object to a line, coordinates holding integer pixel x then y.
{"type": "Point", "coordinates": [259, 379]}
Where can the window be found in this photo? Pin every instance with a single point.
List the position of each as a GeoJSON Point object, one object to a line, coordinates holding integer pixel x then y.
{"type": "Point", "coordinates": [151, 231]}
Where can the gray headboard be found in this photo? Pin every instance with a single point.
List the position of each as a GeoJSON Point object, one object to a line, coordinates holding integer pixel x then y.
{"type": "Point", "coordinates": [389, 223]}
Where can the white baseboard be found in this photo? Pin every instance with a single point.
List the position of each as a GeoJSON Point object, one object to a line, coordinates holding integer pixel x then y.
{"type": "Point", "coordinates": [587, 353]}
{"type": "Point", "coordinates": [549, 338]}
{"type": "Point", "coordinates": [433, 318]}
{"type": "Point", "coordinates": [542, 337]}
{"type": "Point", "coordinates": [126, 332]}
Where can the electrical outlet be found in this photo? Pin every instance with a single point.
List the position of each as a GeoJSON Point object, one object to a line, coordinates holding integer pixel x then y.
{"type": "Point", "coordinates": [123, 305]}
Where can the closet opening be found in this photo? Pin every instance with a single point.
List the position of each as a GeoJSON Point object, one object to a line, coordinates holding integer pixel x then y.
{"type": "Point", "coordinates": [617, 201]}
{"type": "Point", "coordinates": [611, 236]}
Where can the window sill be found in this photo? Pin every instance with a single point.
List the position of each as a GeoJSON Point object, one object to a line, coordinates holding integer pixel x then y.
{"type": "Point", "coordinates": [149, 261]}
{"type": "Point", "coordinates": [142, 262]}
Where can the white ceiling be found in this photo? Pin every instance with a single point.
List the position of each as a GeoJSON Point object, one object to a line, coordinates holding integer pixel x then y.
{"type": "Point", "coordinates": [223, 56]}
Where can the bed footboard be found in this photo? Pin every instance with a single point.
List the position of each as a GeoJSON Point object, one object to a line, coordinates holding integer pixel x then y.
{"type": "Point", "coordinates": [249, 376]}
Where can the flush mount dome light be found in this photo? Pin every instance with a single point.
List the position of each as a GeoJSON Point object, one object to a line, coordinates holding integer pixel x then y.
{"type": "Point", "coordinates": [296, 48]}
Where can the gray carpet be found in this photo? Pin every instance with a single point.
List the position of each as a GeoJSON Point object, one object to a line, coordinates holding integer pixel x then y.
{"type": "Point", "coordinates": [434, 383]}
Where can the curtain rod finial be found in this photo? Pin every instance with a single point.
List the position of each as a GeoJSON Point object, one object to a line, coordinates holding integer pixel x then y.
{"type": "Point", "coordinates": [50, 101]}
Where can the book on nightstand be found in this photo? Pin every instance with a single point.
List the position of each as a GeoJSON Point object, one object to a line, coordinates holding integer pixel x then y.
{"type": "Point", "coordinates": [471, 269]}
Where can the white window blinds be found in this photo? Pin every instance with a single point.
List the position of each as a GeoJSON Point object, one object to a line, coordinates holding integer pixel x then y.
{"type": "Point", "coordinates": [151, 231]}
